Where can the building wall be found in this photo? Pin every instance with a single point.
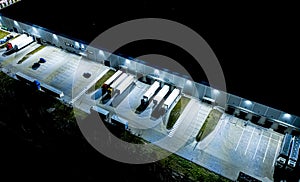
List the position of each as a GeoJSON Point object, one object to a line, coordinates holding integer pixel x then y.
{"type": "Point", "coordinates": [138, 67]}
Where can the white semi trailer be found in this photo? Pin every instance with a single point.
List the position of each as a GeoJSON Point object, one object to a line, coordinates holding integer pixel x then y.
{"type": "Point", "coordinates": [21, 41]}
{"type": "Point", "coordinates": [149, 93]}
{"type": "Point", "coordinates": [161, 94]}
{"type": "Point", "coordinates": [171, 98]}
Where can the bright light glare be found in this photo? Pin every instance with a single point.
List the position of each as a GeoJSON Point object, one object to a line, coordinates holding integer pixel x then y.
{"type": "Point", "coordinates": [127, 61]}
{"type": "Point", "coordinates": [287, 116]}
{"type": "Point", "coordinates": [76, 44]}
{"type": "Point", "coordinates": [101, 53]}
{"type": "Point", "coordinates": [16, 23]}
{"type": "Point", "coordinates": [55, 37]}
{"type": "Point", "coordinates": [188, 82]}
{"type": "Point", "coordinates": [216, 92]}
{"type": "Point", "coordinates": [35, 31]}
{"type": "Point", "coordinates": [248, 102]}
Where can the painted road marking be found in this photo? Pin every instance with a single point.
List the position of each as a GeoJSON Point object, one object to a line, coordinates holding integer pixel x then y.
{"type": "Point", "coordinates": [249, 141]}
{"type": "Point", "coordinates": [278, 144]}
{"type": "Point", "coordinates": [240, 139]}
{"type": "Point", "coordinates": [267, 148]}
{"type": "Point", "coordinates": [258, 144]}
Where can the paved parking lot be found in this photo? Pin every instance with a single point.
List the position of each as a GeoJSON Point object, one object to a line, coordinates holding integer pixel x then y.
{"type": "Point", "coordinates": [127, 108]}
{"type": "Point", "coordinates": [12, 59]}
{"type": "Point", "coordinates": [62, 70]}
{"type": "Point", "coordinates": [234, 146]}
{"type": "Point", "coordinates": [249, 148]}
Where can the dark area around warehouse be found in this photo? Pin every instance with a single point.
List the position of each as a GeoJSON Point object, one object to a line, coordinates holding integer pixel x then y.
{"type": "Point", "coordinates": [255, 44]}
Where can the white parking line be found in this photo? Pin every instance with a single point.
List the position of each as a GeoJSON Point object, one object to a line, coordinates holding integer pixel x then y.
{"type": "Point", "coordinates": [258, 144]}
{"type": "Point", "coordinates": [279, 135]}
{"type": "Point", "coordinates": [249, 141]}
{"type": "Point", "coordinates": [275, 155]}
{"type": "Point", "coordinates": [239, 139]}
{"type": "Point", "coordinates": [267, 148]}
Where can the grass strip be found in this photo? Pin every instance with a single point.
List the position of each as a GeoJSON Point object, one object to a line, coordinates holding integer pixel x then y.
{"type": "Point", "coordinates": [3, 34]}
{"type": "Point", "coordinates": [30, 53]}
{"type": "Point", "coordinates": [209, 124]}
{"type": "Point", "coordinates": [177, 111]}
{"type": "Point", "coordinates": [100, 82]}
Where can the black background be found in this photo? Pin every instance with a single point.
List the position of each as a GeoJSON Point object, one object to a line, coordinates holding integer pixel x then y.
{"type": "Point", "coordinates": [255, 43]}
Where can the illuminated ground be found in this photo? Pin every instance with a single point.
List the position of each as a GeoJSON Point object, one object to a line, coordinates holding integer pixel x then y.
{"type": "Point", "coordinates": [59, 71]}
{"type": "Point", "coordinates": [229, 149]}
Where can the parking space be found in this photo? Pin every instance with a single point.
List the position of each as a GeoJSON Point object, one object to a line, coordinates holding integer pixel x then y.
{"type": "Point", "coordinates": [197, 121]}
{"type": "Point", "coordinates": [235, 145]}
{"type": "Point", "coordinates": [127, 108]}
{"type": "Point", "coordinates": [62, 70]}
{"type": "Point", "coordinates": [183, 132]}
{"type": "Point", "coordinates": [70, 73]}
{"type": "Point", "coordinates": [247, 147]}
{"type": "Point", "coordinates": [192, 119]}
{"type": "Point", "coordinates": [12, 59]}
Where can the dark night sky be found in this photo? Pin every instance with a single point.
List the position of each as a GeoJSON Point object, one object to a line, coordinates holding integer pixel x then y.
{"type": "Point", "coordinates": [255, 43]}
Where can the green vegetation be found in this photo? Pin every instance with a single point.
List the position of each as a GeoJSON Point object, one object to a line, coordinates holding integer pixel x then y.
{"type": "Point", "coordinates": [27, 106]}
{"type": "Point", "coordinates": [6, 82]}
{"type": "Point", "coordinates": [177, 110]}
{"type": "Point", "coordinates": [174, 163]}
{"type": "Point", "coordinates": [128, 137]}
{"type": "Point", "coordinates": [80, 114]}
{"type": "Point", "coordinates": [190, 169]}
{"type": "Point", "coordinates": [26, 114]}
{"type": "Point", "coordinates": [100, 82]}
{"type": "Point", "coordinates": [31, 53]}
{"type": "Point", "coordinates": [63, 116]}
{"type": "Point", "coordinates": [4, 45]}
{"type": "Point", "coordinates": [15, 37]}
{"type": "Point", "coordinates": [3, 34]}
{"type": "Point", "coordinates": [209, 124]}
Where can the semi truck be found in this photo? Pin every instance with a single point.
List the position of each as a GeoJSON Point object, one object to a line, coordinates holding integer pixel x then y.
{"type": "Point", "coordinates": [171, 98]}
{"type": "Point", "coordinates": [109, 81]}
{"type": "Point", "coordinates": [112, 88]}
{"type": "Point", "coordinates": [150, 93]}
{"type": "Point", "coordinates": [18, 43]}
{"type": "Point", "coordinates": [284, 151]}
{"type": "Point", "coordinates": [293, 157]}
{"type": "Point", "coordinates": [161, 94]}
{"type": "Point", "coordinates": [125, 84]}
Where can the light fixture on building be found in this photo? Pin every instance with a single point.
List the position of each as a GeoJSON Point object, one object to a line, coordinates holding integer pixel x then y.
{"type": "Point", "coordinates": [101, 53]}
{"type": "Point", "coordinates": [76, 45]}
{"type": "Point", "coordinates": [248, 102]}
{"type": "Point", "coordinates": [189, 82]}
{"type": "Point", "coordinates": [127, 61]}
{"type": "Point", "coordinates": [287, 116]}
{"type": "Point", "coordinates": [16, 23]}
{"type": "Point", "coordinates": [55, 37]}
{"type": "Point", "coordinates": [216, 92]}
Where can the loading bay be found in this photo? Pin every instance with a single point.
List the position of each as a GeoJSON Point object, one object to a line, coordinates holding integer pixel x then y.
{"type": "Point", "coordinates": [232, 147]}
